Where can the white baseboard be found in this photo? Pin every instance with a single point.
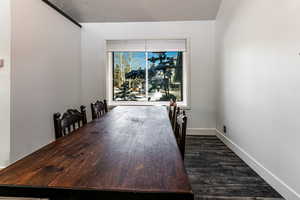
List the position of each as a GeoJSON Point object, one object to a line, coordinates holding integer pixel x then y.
{"type": "Point", "coordinates": [201, 131]}
{"type": "Point", "coordinates": [286, 191]}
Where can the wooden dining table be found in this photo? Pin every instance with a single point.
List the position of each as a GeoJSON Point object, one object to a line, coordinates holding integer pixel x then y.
{"type": "Point", "coordinates": [128, 154]}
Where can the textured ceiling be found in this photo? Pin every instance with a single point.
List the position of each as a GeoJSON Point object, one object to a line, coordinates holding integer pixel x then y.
{"type": "Point", "coordinates": [139, 10]}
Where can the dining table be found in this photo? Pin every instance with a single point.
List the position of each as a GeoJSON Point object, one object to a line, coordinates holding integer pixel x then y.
{"type": "Point", "coordinates": [130, 153]}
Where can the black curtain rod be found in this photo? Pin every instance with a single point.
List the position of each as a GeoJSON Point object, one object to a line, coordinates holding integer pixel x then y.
{"type": "Point", "coordinates": [61, 12]}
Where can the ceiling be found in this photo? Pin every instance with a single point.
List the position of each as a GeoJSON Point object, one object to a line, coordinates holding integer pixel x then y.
{"type": "Point", "coordinates": [139, 10]}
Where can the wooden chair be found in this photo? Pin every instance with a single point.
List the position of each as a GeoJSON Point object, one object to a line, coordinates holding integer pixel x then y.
{"type": "Point", "coordinates": [70, 121]}
{"type": "Point", "coordinates": [180, 130]}
{"type": "Point", "coordinates": [98, 109]}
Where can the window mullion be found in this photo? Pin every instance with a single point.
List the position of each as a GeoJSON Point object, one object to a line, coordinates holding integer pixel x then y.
{"type": "Point", "coordinates": [147, 86]}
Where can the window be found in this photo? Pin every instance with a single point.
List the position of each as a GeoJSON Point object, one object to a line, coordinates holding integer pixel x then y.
{"type": "Point", "coordinates": [140, 74]}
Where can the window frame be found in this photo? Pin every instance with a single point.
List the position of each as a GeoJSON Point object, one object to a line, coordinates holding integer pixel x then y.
{"type": "Point", "coordinates": [109, 82]}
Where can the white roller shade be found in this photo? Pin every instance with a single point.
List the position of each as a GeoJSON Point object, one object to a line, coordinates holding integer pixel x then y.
{"type": "Point", "coordinates": [126, 45]}
{"type": "Point", "coordinates": [166, 45]}
{"type": "Point", "coordinates": [146, 45]}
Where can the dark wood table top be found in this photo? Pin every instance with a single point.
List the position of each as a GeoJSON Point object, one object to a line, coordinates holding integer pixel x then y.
{"type": "Point", "coordinates": [131, 150]}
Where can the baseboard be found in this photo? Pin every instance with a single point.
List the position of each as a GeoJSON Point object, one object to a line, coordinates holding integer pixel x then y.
{"type": "Point", "coordinates": [286, 191]}
{"type": "Point", "coordinates": [201, 131]}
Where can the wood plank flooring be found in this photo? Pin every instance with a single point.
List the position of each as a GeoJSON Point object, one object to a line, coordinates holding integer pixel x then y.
{"type": "Point", "coordinates": [216, 172]}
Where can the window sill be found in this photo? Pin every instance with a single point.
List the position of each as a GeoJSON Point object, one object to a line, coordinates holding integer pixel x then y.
{"type": "Point", "coordinates": [114, 104]}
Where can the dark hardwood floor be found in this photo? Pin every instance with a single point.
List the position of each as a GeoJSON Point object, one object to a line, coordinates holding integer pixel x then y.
{"type": "Point", "coordinates": [216, 172]}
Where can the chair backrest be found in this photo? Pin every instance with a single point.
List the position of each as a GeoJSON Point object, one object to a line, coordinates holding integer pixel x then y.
{"type": "Point", "coordinates": [173, 115]}
{"type": "Point", "coordinates": [70, 121]}
{"type": "Point", "coordinates": [98, 109]}
{"type": "Point", "coordinates": [180, 130]}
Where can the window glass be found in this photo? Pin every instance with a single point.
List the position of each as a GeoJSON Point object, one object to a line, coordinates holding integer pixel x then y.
{"type": "Point", "coordinates": [165, 76]}
{"type": "Point", "coordinates": [129, 76]}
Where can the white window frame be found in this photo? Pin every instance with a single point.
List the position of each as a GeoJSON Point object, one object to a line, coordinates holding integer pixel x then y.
{"type": "Point", "coordinates": [186, 82]}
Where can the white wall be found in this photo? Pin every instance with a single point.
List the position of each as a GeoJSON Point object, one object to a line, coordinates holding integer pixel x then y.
{"type": "Point", "coordinates": [5, 34]}
{"type": "Point", "coordinates": [259, 83]}
{"type": "Point", "coordinates": [201, 35]}
{"type": "Point", "coordinates": [46, 51]}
